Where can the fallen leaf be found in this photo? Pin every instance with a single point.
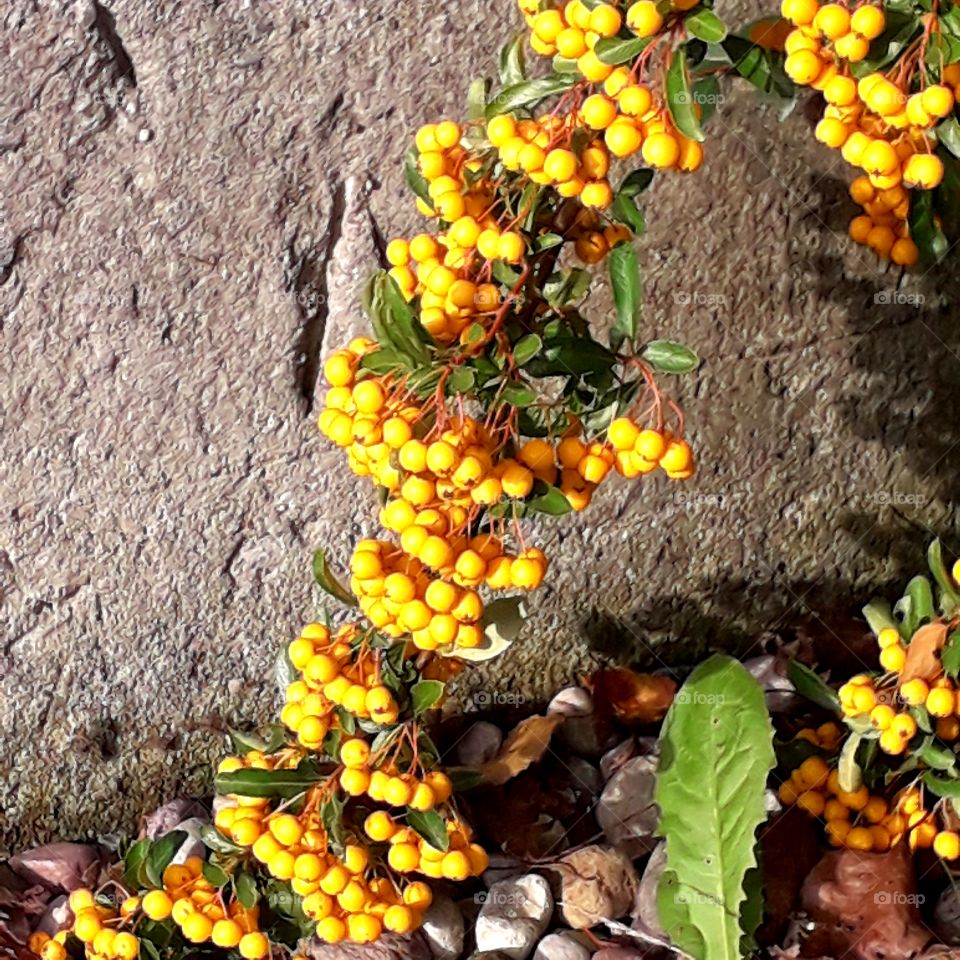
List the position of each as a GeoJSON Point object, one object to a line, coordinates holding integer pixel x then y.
{"type": "Point", "coordinates": [597, 883]}
{"type": "Point", "coordinates": [66, 866]}
{"type": "Point", "coordinates": [923, 653]}
{"type": "Point", "coordinates": [635, 698]}
{"type": "Point", "coordinates": [526, 744]}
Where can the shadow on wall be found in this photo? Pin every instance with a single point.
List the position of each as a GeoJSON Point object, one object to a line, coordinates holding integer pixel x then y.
{"type": "Point", "coordinates": [904, 329]}
{"type": "Point", "coordinates": [907, 336]}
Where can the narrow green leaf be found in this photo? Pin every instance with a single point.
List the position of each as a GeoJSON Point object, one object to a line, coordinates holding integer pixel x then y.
{"type": "Point", "coordinates": [667, 356]}
{"type": "Point", "coordinates": [425, 695]}
{"type": "Point", "coordinates": [528, 93]}
{"type": "Point", "coordinates": [477, 99]}
{"type": "Point", "coordinates": [568, 287]}
{"type": "Point", "coordinates": [133, 864]}
{"type": "Point", "coordinates": [512, 62]}
{"type": "Point", "coordinates": [763, 68]}
{"type": "Point", "coordinates": [414, 178]}
{"type": "Point", "coordinates": [331, 815]}
{"type": "Point", "coordinates": [848, 770]}
{"type": "Point", "coordinates": [161, 852]}
{"type": "Point", "coordinates": [328, 582]}
{"type": "Point", "coordinates": [809, 685]}
{"type": "Point", "coordinates": [636, 181]}
{"type": "Point", "coordinates": [565, 65]}
{"type": "Point", "coordinates": [938, 758]}
{"type": "Point", "coordinates": [526, 349]}
{"type": "Point", "coordinates": [705, 25]}
{"type": "Point", "coordinates": [214, 840]}
{"type": "Point", "coordinates": [942, 786]}
{"type": "Point", "coordinates": [464, 778]}
{"type": "Point", "coordinates": [924, 229]}
{"type": "Point", "coordinates": [246, 888]}
{"type": "Point", "coordinates": [679, 97]}
{"type": "Point", "coordinates": [949, 598]}
{"type": "Point", "coordinates": [615, 50]}
{"type": "Point", "coordinates": [384, 360]}
{"type": "Point", "coordinates": [624, 210]}
{"type": "Point", "coordinates": [921, 602]}
{"type": "Point", "coordinates": [716, 750]}
{"type": "Point", "coordinates": [950, 655]}
{"type": "Point", "coordinates": [948, 133]}
{"type": "Point", "coordinates": [546, 241]}
{"type": "Point", "coordinates": [270, 783]}
{"type": "Point", "coordinates": [244, 742]}
{"type": "Point", "coordinates": [625, 281]}
{"type": "Point", "coordinates": [429, 824]}
{"type": "Point", "coordinates": [879, 616]}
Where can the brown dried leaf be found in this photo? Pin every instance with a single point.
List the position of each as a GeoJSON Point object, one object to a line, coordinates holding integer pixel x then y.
{"type": "Point", "coordinates": [527, 743]}
{"type": "Point", "coordinates": [923, 654]}
{"type": "Point", "coordinates": [635, 698]}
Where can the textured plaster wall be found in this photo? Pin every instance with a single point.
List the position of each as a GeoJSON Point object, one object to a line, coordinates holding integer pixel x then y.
{"type": "Point", "coordinates": [190, 193]}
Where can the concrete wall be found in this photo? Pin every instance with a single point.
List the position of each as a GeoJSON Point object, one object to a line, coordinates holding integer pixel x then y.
{"type": "Point", "coordinates": [189, 194]}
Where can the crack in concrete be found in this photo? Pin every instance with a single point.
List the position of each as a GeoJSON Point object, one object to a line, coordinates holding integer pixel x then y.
{"type": "Point", "coordinates": [310, 286]}
{"type": "Point", "coordinates": [104, 25]}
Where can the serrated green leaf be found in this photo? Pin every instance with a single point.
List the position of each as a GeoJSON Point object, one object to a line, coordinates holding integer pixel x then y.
{"type": "Point", "coordinates": [528, 93]}
{"type": "Point", "coordinates": [679, 97]}
{"type": "Point", "coordinates": [624, 272]}
{"type": "Point", "coordinates": [271, 783]}
{"type": "Point", "coordinates": [526, 349]}
{"type": "Point", "coordinates": [716, 750]}
{"type": "Point", "coordinates": [753, 907]}
{"type": "Point", "coordinates": [512, 62]}
{"type": "Point", "coordinates": [667, 356]}
{"type": "Point", "coordinates": [328, 582]}
{"type": "Point", "coordinates": [425, 695]}
{"type": "Point", "coordinates": [161, 852]}
{"type": "Point", "coordinates": [429, 824]}
{"type": "Point", "coordinates": [809, 685]}
{"type": "Point", "coordinates": [705, 25]}
{"type": "Point", "coordinates": [673, 906]}
{"type": "Point", "coordinates": [614, 50]}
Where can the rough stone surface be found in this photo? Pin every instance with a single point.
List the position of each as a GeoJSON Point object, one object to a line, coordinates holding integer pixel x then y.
{"type": "Point", "coordinates": [189, 196]}
{"type": "Point", "coordinates": [514, 915]}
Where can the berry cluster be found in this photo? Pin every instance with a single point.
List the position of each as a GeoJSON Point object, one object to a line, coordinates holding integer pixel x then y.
{"type": "Point", "coordinates": [99, 927]}
{"type": "Point", "coordinates": [876, 122]}
{"type": "Point", "coordinates": [888, 701]}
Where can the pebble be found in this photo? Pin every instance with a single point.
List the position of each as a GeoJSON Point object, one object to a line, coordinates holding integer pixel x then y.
{"type": "Point", "coordinates": [627, 812]}
{"type": "Point", "coordinates": [479, 744]}
{"type": "Point", "coordinates": [560, 946]}
{"type": "Point", "coordinates": [443, 928]}
{"type": "Point", "coordinates": [514, 916]}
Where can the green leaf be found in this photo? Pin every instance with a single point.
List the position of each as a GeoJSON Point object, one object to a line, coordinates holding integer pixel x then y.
{"type": "Point", "coordinates": [938, 758]}
{"type": "Point", "coordinates": [383, 360]}
{"type": "Point", "coordinates": [901, 27]}
{"type": "Point", "coordinates": [512, 66]}
{"type": "Point", "coordinates": [414, 178]}
{"type": "Point", "coordinates": [924, 229]}
{"type": "Point", "coordinates": [133, 864]}
{"type": "Point", "coordinates": [464, 778]}
{"type": "Point", "coordinates": [569, 287]}
{"type": "Point", "coordinates": [527, 348]}
{"type": "Point", "coordinates": [425, 695]}
{"type": "Point", "coordinates": [848, 770]}
{"type": "Point", "coordinates": [429, 824]}
{"type": "Point", "coordinates": [518, 395]}
{"type": "Point", "coordinates": [148, 948]}
{"type": "Point", "coordinates": [215, 875]}
{"type": "Point", "coordinates": [753, 907]}
{"type": "Point", "coordinates": [625, 210]}
{"type": "Point", "coordinates": [950, 655]}
{"type": "Point", "coordinates": [246, 888]}
{"type": "Point", "coordinates": [879, 616]}
{"type": "Point", "coordinates": [462, 380]}
{"type": "Point", "coordinates": [270, 783]}
{"type": "Point", "coordinates": [625, 281]}
{"type": "Point", "coordinates": [328, 582]}
{"type": "Point", "coordinates": [706, 25]}
{"type": "Point", "coordinates": [706, 93]}
{"type": "Point", "coordinates": [565, 65]}
{"type": "Point", "coordinates": [809, 685]}
{"type": "Point", "coordinates": [762, 68]}
{"type": "Point", "coordinates": [477, 99]}
{"type": "Point", "coordinates": [716, 750]}
{"type": "Point", "coordinates": [942, 786]}
{"type": "Point", "coordinates": [679, 97]}
{"type": "Point", "coordinates": [528, 93]}
{"type": "Point", "coordinates": [948, 133]}
{"type": "Point", "coordinates": [331, 815]}
{"type": "Point", "coordinates": [636, 181]}
{"type": "Point", "coordinates": [213, 839]}
{"type": "Point", "coordinates": [614, 50]}
{"type": "Point", "coordinates": [667, 356]}
{"type": "Point", "coordinates": [921, 602]}
{"type": "Point", "coordinates": [553, 503]}
{"type": "Point", "coordinates": [949, 598]}
{"type": "Point", "coordinates": [162, 851]}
